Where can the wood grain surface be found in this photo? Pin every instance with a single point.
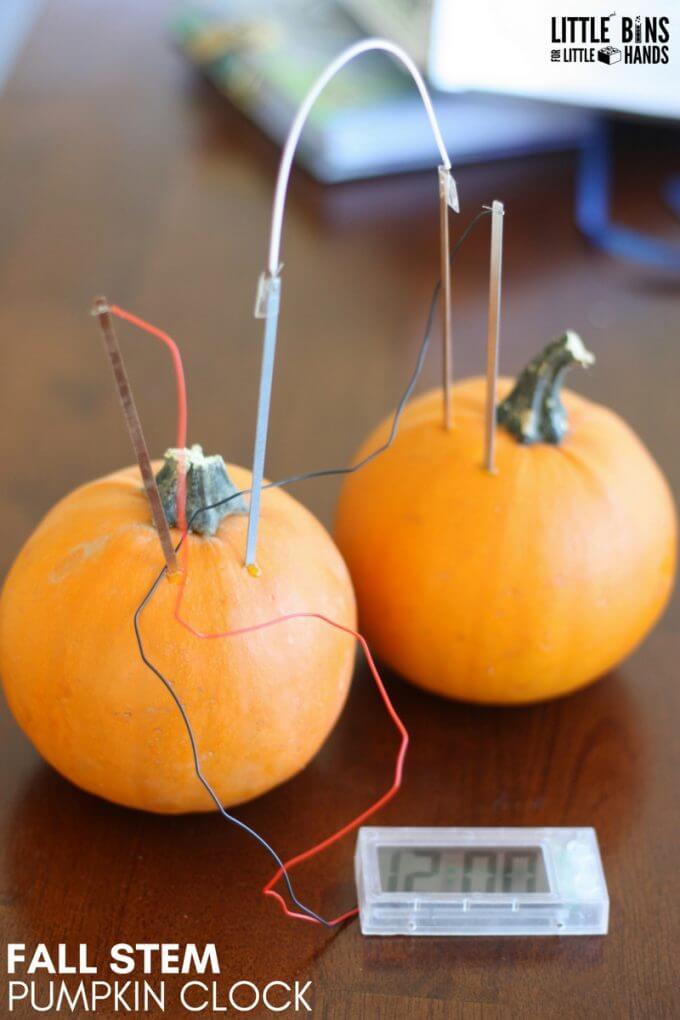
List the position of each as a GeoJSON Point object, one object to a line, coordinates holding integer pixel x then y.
{"type": "Point", "coordinates": [123, 174]}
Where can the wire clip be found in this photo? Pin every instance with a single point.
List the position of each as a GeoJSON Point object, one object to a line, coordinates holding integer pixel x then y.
{"type": "Point", "coordinates": [448, 189]}
{"type": "Point", "coordinates": [268, 290]}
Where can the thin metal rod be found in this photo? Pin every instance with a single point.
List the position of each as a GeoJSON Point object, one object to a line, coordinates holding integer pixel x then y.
{"type": "Point", "coordinates": [495, 272]}
{"type": "Point", "coordinates": [267, 305]}
{"type": "Point", "coordinates": [445, 274]}
{"type": "Point", "coordinates": [134, 427]}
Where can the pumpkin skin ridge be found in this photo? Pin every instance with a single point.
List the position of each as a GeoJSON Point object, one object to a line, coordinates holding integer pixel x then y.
{"type": "Point", "coordinates": [326, 667]}
{"type": "Point", "coordinates": [577, 466]}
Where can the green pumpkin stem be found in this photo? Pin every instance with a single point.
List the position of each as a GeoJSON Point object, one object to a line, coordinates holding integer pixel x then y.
{"type": "Point", "coordinates": [207, 483]}
{"type": "Point", "coordinates": [533, 411]}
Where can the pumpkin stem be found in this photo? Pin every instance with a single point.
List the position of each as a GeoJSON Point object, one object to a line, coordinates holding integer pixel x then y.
{"type": "Point", "coordinates": [533, 411]}
{"type": "Point", "coordinates": [207, 483]}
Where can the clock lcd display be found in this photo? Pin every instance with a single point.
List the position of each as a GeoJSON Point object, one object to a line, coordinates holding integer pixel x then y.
{"type": "Point", "coordinates": [473, 869]}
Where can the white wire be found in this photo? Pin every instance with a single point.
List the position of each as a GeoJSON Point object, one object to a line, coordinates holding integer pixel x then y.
{"type": "Point", "coordinates": [301, 116]}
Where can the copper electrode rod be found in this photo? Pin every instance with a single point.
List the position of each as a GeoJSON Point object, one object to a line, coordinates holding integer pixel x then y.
{"type": "Point", "coordinates": [495, 271]}
{"type": "Point", "coordinates": [134, 427]}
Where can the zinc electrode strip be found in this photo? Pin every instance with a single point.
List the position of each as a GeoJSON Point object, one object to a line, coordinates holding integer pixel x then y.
{"type": "Point", "coordinates": [268, 296]}
{"type": "Point", "coordinates": [305, 476]}
{"type": "Point", "coordinates": [493, 333]}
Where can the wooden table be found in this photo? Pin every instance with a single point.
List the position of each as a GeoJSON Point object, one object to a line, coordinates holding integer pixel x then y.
{"type": "Point", "coordinates": [122, 174]}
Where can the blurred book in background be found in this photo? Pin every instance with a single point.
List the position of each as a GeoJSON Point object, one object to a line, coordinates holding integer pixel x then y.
{"type": "Point", "coordinates": [370, 120]}
{"type": "Point", "coordinates": [16, 21]}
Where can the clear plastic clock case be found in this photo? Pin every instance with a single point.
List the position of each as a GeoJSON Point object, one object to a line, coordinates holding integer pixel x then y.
{"type": "Point", "coordinates": [480, 881]}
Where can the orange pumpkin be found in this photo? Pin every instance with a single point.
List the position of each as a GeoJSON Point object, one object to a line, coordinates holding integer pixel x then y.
{"type": "Point", "coordinates": [520, 585]}
{"type": "Point", "coordinates": [260, 704]}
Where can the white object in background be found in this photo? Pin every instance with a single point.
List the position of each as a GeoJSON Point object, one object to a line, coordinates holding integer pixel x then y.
{"type": "Point", "coordinates": [501, 47]}
{"type": "Point", "coordinates": [372, 122]}
{"type": "Point", "coordinates": [481, 881]}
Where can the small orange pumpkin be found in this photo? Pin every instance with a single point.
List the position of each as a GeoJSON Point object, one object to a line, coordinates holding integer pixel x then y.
{"type": "Point", "coordinates": [260, 704]}
{"type": "Point", "coordinates": [520, 585]}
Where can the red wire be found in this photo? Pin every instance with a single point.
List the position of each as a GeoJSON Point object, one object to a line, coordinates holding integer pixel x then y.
{"type": "Point", "coordinates": [181, 400]}
{"type": "Point", "coordinates": [268, 889]}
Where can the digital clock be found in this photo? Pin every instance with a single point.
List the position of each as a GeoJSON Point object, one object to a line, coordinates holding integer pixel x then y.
{"type": "Point", "coordinates": [515, 881]}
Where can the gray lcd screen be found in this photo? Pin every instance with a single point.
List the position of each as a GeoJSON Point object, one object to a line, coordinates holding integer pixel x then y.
{"type": "Point", "coordinates": [460, 869]}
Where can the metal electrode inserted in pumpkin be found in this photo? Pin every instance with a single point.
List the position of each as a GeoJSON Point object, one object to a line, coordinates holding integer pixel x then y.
{"type": "Point", "coordinates": [260, 707]}
{"type": "Point", "coordinates": [248, 712]}
{"type": "Point", "coordinates": [522, 573]}
{"type": "Point", "coordinates": [223, 672]}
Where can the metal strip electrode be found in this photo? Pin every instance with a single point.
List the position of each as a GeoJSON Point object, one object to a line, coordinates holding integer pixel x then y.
{"type": "Point", "coordinates": [495, 272]}
{"type": "Point", "coordinates": [448, 199]}
{"type": "Point", "coordinates": [267, 303]}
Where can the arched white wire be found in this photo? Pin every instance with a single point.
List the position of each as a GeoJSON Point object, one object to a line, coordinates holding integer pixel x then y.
{"type": "Point", "coordinates": [303, 112]}
{"type": "Point", "coordinates": [267, 301]}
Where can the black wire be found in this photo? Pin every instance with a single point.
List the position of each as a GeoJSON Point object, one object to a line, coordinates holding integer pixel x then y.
{"type": "Point", "coordinates": [286, 481]}
{"type": "Point", "coordinates": [197, 765]}
{"type": "Point", "coordinates": [305, 476]}
{"type": "Point", "coordinates": [270, 485]}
